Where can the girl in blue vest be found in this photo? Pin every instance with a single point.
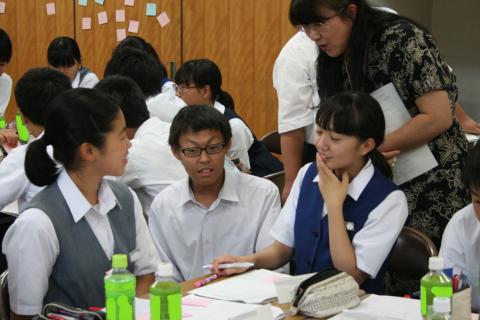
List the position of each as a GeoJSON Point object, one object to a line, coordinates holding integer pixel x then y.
{"type": "Point", "coordinates": [199, 82]}
{"type": "Point", "coordinates": [61, 245]}
{"type": "Point", "coordinates": [343, 211]}
{"type": "Point", "coordinates": [63, 54]}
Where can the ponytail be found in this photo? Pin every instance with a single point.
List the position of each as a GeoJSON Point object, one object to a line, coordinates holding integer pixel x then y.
{"type": "Point", "coordinates": [41, 170]}
{"type": "Point", "coordinates": [381, 163]}
{"type": "Point", "coordinates": [226, 99]}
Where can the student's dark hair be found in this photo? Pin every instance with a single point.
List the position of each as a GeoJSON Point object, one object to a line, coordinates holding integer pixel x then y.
{"type": "Point", "coordinates": [196, 118]}
{"type": "Point", "coordinates": [356, 114]}
{"type": "Point", "coordinates": [140, 43]}
{"type": "Point", "coordinates": [5, 47]}
{"type": "Point", "coordinates": [366, 24]}
{"type": "Point", "coordinates": [471, 169]}
{"type": "Point", "coordinates": [63, 52]}
{"type": "Point", "coordinates": [76, 116]}
{"type": "Point", "coordinates": [128, 95]}
{"type": "Point", "coordinates": [139, 66]}
{"type": "Point", "coordinates": [202, 72]}
{"type": "Point", "coordinates": [36, 88]}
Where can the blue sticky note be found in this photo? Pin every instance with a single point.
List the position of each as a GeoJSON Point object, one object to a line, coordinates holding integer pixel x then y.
{"type": "Point", "coordinates": [83, 2]}
{"type": "Point", "coordinates": [100, 2]}
{"type": "Point", "coordinates": [151, 9]}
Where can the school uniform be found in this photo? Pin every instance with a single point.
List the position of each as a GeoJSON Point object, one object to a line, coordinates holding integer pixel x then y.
{"type": "Point", "coordinates": [295, 80]}
{"type": "Point", "coordinates": [461, 248]}
{"type": "Point", "coordinates": [61, 246]}
{"type": "Point", "coordinates": [85, 79]}
{"type": "Point", "coordinates": [374, 212]}
{"type": "Point", "coordinates": [13, 179]}
{"type": "Point", "coordinates": [190, 235]}
{"type": "Point", "coordinates": [252, 153]}
{"type": "Point", "coordinates": [5, 92]}
{"type": "Point", "coordinates": [151, 164]}
{"type": "Point", "coordinates": [166, 104]}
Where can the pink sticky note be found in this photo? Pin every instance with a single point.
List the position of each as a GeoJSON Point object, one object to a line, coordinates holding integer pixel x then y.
{"type": "Point", "coordinates": [163, 19]}
{"type": "Point", "coordinates": [50, 8]}
{"type": "Point", "coordinates": [130, 3]}
{"type": "Point", "coordinates": [120, 15]}
{"type": "Point", "coordinates": [121, 34]}
{"type": "Point", "coordinates": [102, 17]}
{"type": "Point", "coordinates": [133, 26]}
{"type": "Point", "coordinates": [196, 302]}
{"type": "Point", "coordinates": [2, 7]}
{"type": "Point", "coordinates": [86, 23]}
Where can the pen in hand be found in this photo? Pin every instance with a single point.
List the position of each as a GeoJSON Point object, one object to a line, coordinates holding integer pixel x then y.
{"type": "Point", "coordinates": [201, 283]}
{"type": "Point", "coordinates": [234, 265]}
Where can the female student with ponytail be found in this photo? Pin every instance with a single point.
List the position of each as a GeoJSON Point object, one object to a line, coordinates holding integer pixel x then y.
{"type": "Point", "coordinates": [199, 82]}
{"type": "Point", "coordinates": [343, 210]}
{"type": "Point", "coordinates": [61, 245]}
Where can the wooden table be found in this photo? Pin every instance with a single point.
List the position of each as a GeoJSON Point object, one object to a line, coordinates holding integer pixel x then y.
{"type": "Point", "coordinates": [189, 285]}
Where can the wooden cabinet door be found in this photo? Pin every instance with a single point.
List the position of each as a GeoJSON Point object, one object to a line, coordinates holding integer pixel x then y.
{"type": "Point", "coordinates": [243, 37]}
{"type": "Point", "coordinates": [98, 43]}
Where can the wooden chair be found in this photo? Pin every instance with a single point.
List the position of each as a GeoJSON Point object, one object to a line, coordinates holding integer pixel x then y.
{"type": "Point", "coordinates": [272, 142]}
{"type": "Point", "coordinates": [4, 297]}
{"type": "Point", "coordinates": [278, 178]}
{"type": "Point", "coordinates": [408, 261]}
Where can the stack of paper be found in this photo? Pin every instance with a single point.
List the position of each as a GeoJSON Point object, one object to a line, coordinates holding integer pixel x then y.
{"type": "Point", "coordinates": [253, 287]}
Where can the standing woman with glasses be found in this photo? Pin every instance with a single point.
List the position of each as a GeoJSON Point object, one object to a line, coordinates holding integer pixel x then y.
{"type": "Point", "coordinates": [364, 49]}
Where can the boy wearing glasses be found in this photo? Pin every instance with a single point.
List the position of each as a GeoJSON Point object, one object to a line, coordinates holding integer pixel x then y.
{"type": "Point", "coordinates": [214, 210]}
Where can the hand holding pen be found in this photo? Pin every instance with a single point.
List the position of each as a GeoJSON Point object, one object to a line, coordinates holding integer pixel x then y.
{"type": "Point", "coordinates": [227, 265]}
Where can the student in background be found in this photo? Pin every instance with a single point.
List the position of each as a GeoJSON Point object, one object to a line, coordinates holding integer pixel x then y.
{"type": "Point", "coordinates": [295, 80]}
{"type": "Point", "coordinates": [34, 91]}
{"type": "Point", "coordinates": [343, 210]}
{"type": "Point", "coordinates": [60, 247]}
{"type": "Point", "coordinates": [151, 165]}
{"type": "Point", "coordinates": [5, 79]}
{"type": "Point", "coordinates": [150, 75]}
{"type": "Point", "coordinates": [461, 238]}
{"type": "Point", "coordinates": [214, 210]}
{"type": "Point", "coordinates": [64, 55]}
{"type": "Point", "coordinates": [199, 82]}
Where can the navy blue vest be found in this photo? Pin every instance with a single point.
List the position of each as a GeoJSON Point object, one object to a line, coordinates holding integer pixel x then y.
{"type": "Point", "coordinates": [262, 162]}
{"type": "Point", "coordinates": [312, 248]}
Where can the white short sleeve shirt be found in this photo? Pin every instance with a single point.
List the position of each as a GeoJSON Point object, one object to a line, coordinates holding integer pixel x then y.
{"type": "Point", "coordinates": [5, 92]}
{"type": "Point", "coordinates": [189, 235]}
{"type": "Point", "coordinates": [461, 248]}
{"type": "Point", "coordinates": [89, 81]}
{"type": "Point", "coordinates": [166, 104]}
{"type": "Point", "coordinates": [374, 241]}
{"type": "Point", "coordinates": [295, 79]}
{"type": "Point", "coordinates": [31, 245]}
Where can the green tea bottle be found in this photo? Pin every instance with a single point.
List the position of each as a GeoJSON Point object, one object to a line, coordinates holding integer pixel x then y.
{"type": "Point", "coordinates": [120, 290]}
{"type": "Point", "coordinates": [434, 284]}
{"type": "Point", "coordinates": [165, 295]}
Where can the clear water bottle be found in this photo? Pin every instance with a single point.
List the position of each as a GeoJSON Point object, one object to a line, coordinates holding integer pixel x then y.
{"type": "Point", "coordinates": [165, 295]}
{"type": "Point", "coordinates": [441, 309]}
{"type": "Point", "coordinates": [434, 284]}
{"type": "Point", "coordinates": [120, 290]}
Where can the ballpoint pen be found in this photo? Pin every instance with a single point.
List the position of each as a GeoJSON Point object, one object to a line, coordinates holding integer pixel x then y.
{"type": "Point", "coordinates": [234, 265]}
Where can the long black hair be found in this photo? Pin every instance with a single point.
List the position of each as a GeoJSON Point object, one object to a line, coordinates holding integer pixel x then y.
{"type": "Point", "coordinates": [367, 22]}
{"type": "Point", "coordinates": [74, 117]}
{"type": "Point", "coordinates": [203, 72]}
{"type": "Point", "coordinates": [356, 114]}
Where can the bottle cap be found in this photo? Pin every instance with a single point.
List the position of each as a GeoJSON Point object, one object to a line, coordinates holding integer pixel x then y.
{"type": "Point", "coordinates": [164, 270]}
{"type": "Point", "coordinates": [441, 305]}
{"type": "Point", "coordinates": [119, 261]}
{"type": "Point", "coordinates": [435, 263]}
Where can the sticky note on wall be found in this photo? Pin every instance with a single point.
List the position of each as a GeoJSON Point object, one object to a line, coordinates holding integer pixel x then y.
{"type": "Point", "coordinates": [102, 17]}
{"type": "Point", "coordinates": [163, 19]}
{"type": "Point", "coordinates": [86, 23]}
{"type": "Point", "coordinates": [50, 8]}
{"type": "Point", "coordinates": [83, 3]}
{"type": "Point", "coordinates": [133, 26]}
{"type": "Point", "coordinates": [2, 7]}
{"type": "Point", "coordinates": [121, 34]}
{"type": "Point", "coordinates": [130, 3]}
{"type": "Point", "coordinates": [120, 15]}
{"type": "Point", "coordinates": [100, 2]}
{"type": "Point", "coordinates": [151, 9]}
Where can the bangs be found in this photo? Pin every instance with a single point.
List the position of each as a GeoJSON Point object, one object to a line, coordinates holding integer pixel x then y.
{"type": "Point", "coordinates": [185, 75]}
{"type": "Point", "coordinates": [60, 59]}
{"type": "Point", "coordinates": [337, 117]}
{"type": "Point", "coordinates": [302, 12]}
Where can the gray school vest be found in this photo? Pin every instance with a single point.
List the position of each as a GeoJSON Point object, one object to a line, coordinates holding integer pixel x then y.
{"type": "Point", "coordinates": [77, 275]}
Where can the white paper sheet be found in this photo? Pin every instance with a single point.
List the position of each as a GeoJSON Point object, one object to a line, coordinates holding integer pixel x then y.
{"type": "Point", "coordinates": [11, 209]}
{"type": "Point", "coordinates": [410, 164]}
{"type": "Point", "coordinates": [253, 287]}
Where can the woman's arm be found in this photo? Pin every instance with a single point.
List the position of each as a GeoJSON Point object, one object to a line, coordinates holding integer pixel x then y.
{"type": "Point", "coordinates": [143, 284]}
{"type": "Point", "coordinates": [292, 153]}
{"type": "Point", "coordinates": [434, 118]}
{"type": "Point", "coordinates": [468, 124]}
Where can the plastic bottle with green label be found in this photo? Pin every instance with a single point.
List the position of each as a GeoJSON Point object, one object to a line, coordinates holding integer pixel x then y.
{"type": "Point", "coordinates": [22, 131]}
{"type": "Point", "coordinates": [165, 295]}
{"type": "Point", "coordinates": [434, 284]}
{"type": "Point", "coordinates": [120, 290]}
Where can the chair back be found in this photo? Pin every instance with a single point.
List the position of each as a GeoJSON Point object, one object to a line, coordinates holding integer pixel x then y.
{"type": "Point", "coordinates": [4, 297]}
{"type": "Point", "coordinates": [278, 178]}
{"type": "Point", "coordinates": [408, 261]}
{"type": "Point", "coordinates": [272, 142]}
